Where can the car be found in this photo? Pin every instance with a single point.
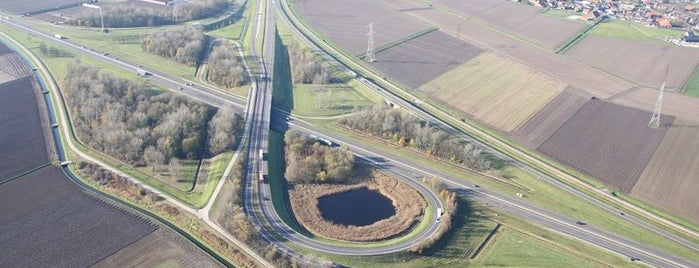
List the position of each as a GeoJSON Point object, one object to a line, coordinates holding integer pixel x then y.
{"type": "Point", "coordinates": [180, 88]}
{"type": "Point", "coordinates": [580, 223]}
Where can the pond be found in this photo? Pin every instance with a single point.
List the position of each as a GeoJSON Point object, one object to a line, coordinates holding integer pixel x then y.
{"type": "Point", "coordinates": [358, 207]}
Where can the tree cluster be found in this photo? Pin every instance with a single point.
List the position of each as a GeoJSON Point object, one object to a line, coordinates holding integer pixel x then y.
{"type": "Point", "coordinates": [225, 67]}
{"type": "Point", "coordinates": [305, 68]}
{"type": "Point", "coordinates": [309, 161]}
{"type": "Point", "coordinates": [223, 130]}
{"type": "Point", "coordinates": [140, 15]}
{"type": "Point", "coordinates": [51, 51]}
{"type": "Point", "coordinates": [118, 118]}
{"type": "Point", "coordinates": [184, 45]}
{"type": "Point", "coordinates": [408, 130]}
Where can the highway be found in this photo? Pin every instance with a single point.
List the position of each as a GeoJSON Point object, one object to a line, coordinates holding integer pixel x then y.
{"type": "Point", "coordinates": [259, 202]}
{"type": "Point", "coordinates": [516, 206]}
{"type": "Point", "coordinates": [419, 109]}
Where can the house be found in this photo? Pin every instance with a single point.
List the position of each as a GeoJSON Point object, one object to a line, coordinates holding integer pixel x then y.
{"type": "Point", "coordinates": [690, 37]}
{"type": "Point", "coordinates": [663, 22]}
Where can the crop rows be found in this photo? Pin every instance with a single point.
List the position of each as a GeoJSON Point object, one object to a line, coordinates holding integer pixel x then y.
{"type": "Point", "coordinates": [347, 22]}
{"type": "Point", "coordinates": [24, 7]}
{"type": "Point", "coordinates": [549, 119]}
{"type": "Point", "coordinates": [47, 221]}
{"type": "Point", "coordinates": [670, 180]}
{"type": "Point", "coordinates": [495, 91]}
{"type": "Point", "coordinates": [644, 63]}
{"type": "Point", "coordinates": [417, 61]}
{"type": "Point", "coordinates": [13, 65]}
{"type": "Point", "coordinates": [21, 139]}
{"type": "Point", "coordinates": [517, 19]}
{"type": "Point", "coordinates": [607, 141]}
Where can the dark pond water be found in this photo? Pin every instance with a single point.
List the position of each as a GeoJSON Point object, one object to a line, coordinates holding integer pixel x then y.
{"type": "Point", "coordinates": [357, 207]}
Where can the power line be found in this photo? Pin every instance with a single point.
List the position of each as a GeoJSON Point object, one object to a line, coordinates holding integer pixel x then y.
{"type": "Point", "coordinates": [370, 57]}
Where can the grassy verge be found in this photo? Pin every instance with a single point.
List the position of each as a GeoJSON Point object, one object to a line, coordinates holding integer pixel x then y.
{"type": "Point", "coordinates": [692, 86]}
{"type": "Point", "coordinates": [179, 190]}
{"type": "Point", "coordinates": [541, 194]}
{"type": "Point", "coordinates": [631, 31]}
{"type": "Point", "coordinates": [321, 100]}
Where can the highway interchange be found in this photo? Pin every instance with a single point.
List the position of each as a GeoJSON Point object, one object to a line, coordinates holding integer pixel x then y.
{"type": "Point", "coordinates": [259, 115]}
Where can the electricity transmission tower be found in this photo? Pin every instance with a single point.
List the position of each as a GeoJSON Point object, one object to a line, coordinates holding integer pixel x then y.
{"type": "Point", "coordinates": [655, 119]}
{"type": "Point", "coordinates": [370, 57]}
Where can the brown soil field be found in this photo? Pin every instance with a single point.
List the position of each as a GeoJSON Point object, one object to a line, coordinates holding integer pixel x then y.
{"type": "Point", "coordinates": [13, 65]}
{"type": "Point", "coordinates": [160, 248]}
{"type": "Point", "coordinates": [24, 6]}
{"type": "Point", "coordinates": [22, 143]}
{"type": "Point", "coordinates": [607, 141]}
{"type": "Point", "coordinates": [346, 22]}
{"type": "Point", "coordinates": [422, 59]}
{"type": "Point", "coordinates": [494, 90]}
{"type": "Point", "coordinates": [564, 69]}
{"type": "Point", "coordinates": [674, 104]}
{"type": "Point", "coordinates": [643, 63]}
{"type": "Point", "coordinates": [48, 222]}
{"type": "Point", "coordinates": [409, 204]}
{"type": "Point", "coordinates": [517, 19]}
{"type": "Point", "coordinates": [671, 179]}
{"type": "Point", "coordinates": [549, 119]}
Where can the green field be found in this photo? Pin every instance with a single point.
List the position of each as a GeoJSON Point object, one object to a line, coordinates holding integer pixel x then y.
{"type": "Point", "coordinates": [318, 100]}
{"type": "Point", "coordinates": [632, 31]}
{"type": "Point", "coordinates": [692, 86]}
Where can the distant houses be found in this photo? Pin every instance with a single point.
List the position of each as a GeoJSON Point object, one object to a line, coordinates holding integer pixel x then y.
{"type": "Point", "coordinates": [690, 37]}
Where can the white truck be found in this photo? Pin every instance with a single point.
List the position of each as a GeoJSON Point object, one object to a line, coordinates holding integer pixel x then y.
{"type": "Point", "coordinates": [58, 36]}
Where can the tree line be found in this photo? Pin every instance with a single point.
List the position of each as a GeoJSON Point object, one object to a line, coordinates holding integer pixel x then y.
{"type": "Point", "coordinates": [225, 66]}
{"type": "Point", "coordinates": [407, 130]}
{"type": "Point", "coordinates": [121, 119]}
{"type": "Point", "coordinates": [305, 68]}
{"type": "Point", "coordinates": [183, 45]}
{"type": "Point", "coordinates": [140, 15]}
{"type": "Point", "coordinates": [307, 161]}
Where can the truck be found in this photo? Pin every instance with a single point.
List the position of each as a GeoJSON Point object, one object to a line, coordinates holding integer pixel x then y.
{"type": "Point", "coordinates": [262, 177]}
{"type": "Point", "coordinates": [262, 155]}
{"type": "Point", "coordinates": [58, 36]}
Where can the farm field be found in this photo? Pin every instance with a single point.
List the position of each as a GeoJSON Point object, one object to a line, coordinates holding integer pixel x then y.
{"type": "Point", "coordinates": [346, 22]}
{"type": "Point", "coordinates": [674, 104]}
{"type": "Point", "coordinates": [512, 248]}
{"type": "Point", "coordinates": [692, 86]}
{"type": "Point", "coordinates": [552, 116]}
{"type": "Point", "coordinates": [670, 179]}
{"type": "Point", "coordinates": [48, 221]}
{"type": "Point", "coordinates": [624, 57]}
{"type": "Point", "coordinates": [609, 142]}
{"type": "Point", "coordinates": [160, 248]}
{"type": "Point", "coordinates": [417, 61]}
{"type": "Point", "coordinates": [630, 31]}
{"type": "Point", "coordinates": [564, 69]}
{"type": "Point", "coordinates": [519, 20]}
{"type": "Point", "coordinates": [23, 6]}
{"type": "Point", "coordinates": [494, 90]}
{"type": "Point", "coordinates": [22, 145]}
{"type": "Point", "coordinates": [13, 65]}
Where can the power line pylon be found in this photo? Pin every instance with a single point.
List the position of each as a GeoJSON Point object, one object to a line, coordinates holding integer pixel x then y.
{"type": "Point", "coordinates": [655, 119]}
{"type": "Point", "coordinates": [370, 57]}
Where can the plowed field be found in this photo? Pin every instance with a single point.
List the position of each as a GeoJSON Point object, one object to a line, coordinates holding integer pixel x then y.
{"type": "Point", "coordinates": [671, 179]}
{"type": "Point", "coordinates": [47, 222]}
{"type": "Point", "coordinates": [518, 19]}
{"type": "Point", "coordinates": [498, 92]}
{"type": "Point", "coordinates": [417, 61]}
{"type": "Point", "coordinates": [643, 63]}
{"type": "Point", "coordinates": [609, 142]}
{"type": "Point", "coordinates": [347, 22]}
{"type": "Point", "coordinates": [549, 119]}
{"type": "Point", "coordinates": [22, 145]}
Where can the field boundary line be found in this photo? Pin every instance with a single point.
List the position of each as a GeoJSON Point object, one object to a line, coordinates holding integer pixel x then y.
{"type": "Point", "coordinates": [24, 173]}
{"type": "Point", "coordinates": [485, 242]}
